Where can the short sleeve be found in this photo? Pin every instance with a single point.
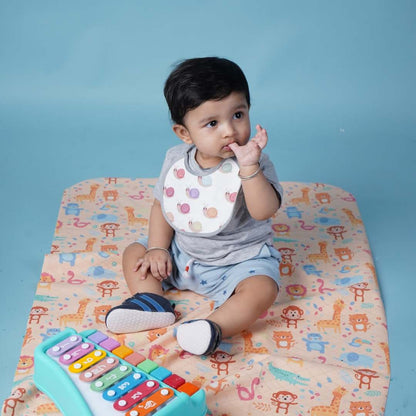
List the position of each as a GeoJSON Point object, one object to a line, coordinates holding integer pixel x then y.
{"type": "Point", "coordinates": [270, 173]}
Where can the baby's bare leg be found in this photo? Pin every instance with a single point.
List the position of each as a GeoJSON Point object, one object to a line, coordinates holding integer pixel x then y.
{"type": "Point", "coordinates": [135, 284]}
{"type": "Point", "coordinates": [252, 297]}
{"type": "Point", "coordinates": [147, 308]}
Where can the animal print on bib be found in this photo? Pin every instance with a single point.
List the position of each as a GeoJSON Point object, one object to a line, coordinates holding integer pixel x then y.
{"type": "Point", "coordinates": [200, 204]}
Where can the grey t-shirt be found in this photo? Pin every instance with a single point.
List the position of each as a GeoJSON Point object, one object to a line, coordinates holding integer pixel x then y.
{"type": "Point", "coordinates": [242, 238]}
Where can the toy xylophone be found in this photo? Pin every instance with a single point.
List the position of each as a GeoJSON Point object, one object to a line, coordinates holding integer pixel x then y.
{"type": "Point", "coordinates": [91, 374]}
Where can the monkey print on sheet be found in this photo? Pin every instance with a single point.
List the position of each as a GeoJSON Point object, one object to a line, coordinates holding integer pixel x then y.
{"type": "Point", "coordinates": [320, 349]}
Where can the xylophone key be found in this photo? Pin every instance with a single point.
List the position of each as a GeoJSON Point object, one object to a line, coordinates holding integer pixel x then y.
{"type": "Point", "coordinates": [110, 378]}
{"type": "Point", "coordinates": [188, 388]}
{"type": "Point", "coordinates": [122, 351]}
{"type": "Point", "coordinates": [87, 361]}
{"type": "Point", "coordinates": [151, 403]}
{"type": "Point", "coordinates": [99, 369]}
{"type": "Point", "coordinates": [136, 395]}
{"type": "Point", "coordinates": [174, 381]}
{"type": "Point", "coordinates": [135, 358]}
{"type": "Point", "coordinates": [97, 337]}
{"type": "Point", "coordinates": [125, 379]}
{"type": "Point", "coordinates": [161, 373]}
{"type": "Point", "coordinates": [76, 353]}
{"type": "Point", "coordinates": [109, 344]}
{"type": "Point", "coordinates": [64, 346]}
{"type": "Point", "coordinates": [147, 366]}
{"type": "Point", "coordinates": [123, 386]}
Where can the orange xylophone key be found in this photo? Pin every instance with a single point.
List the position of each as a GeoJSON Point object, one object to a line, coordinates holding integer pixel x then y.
{"type": "Point", "coordinates": [151, 403]}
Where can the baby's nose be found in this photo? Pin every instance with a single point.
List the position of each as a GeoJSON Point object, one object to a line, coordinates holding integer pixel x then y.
{"type": "Point", "coordinates": [229, 129]}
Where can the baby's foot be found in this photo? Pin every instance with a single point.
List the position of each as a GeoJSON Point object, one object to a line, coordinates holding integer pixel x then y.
{"type": "Point", "coordinates": [141, 312]}
{"type": "Point", "coordinates": [199, 337]}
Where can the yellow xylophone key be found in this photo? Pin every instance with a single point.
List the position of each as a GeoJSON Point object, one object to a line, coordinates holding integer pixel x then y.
{"type": "Point", "coordinates": [87, 361]}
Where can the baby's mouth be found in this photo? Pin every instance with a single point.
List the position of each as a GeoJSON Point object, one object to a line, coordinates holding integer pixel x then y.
{"type": "Point", "coordinates": [227, 147]}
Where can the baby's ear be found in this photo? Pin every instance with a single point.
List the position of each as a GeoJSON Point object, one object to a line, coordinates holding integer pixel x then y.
{"type": "Point", "coordinates": [182, 132]}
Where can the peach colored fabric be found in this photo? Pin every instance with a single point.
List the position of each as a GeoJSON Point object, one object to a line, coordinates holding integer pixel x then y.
{"type": "Point", "coordinates": [321, 349]}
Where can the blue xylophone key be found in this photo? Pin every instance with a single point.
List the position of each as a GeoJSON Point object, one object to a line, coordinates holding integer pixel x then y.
{"type": "Point", "coordinates": [122, 387]}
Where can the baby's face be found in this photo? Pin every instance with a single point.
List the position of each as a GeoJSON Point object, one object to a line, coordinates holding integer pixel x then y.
{"type": "Point", "coordinates": [214, 125]}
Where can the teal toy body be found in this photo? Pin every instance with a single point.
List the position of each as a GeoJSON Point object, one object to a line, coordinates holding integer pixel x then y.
{"type": "Point", "coordinates": [91, 374]}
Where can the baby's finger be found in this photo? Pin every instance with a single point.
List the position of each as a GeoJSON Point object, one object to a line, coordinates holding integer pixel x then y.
{"type": "Point", "coordinates": [261, 136]}
{"type": "Point", "coordinates": [137, 265]}
{"type": "Point", "coordinates": [143, 270]}
{"type": "Point", "coordinates": [163, 270]}
{"type": "Point", "coordinates": [169, 268]}
{"type": "Point", "coordinates": [154, 269]}
{"type": "Point", "coordinates": [234, 147]}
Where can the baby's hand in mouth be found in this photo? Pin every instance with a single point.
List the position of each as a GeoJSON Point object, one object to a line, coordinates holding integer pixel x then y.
{"type": "Point", "coordinates": [249, 154]}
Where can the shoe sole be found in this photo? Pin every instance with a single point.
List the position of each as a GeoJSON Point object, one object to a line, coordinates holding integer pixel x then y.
{"type": "Point", "coordinates": [194, 337]}
{"type": "Point", "coordinates": [122, 321]}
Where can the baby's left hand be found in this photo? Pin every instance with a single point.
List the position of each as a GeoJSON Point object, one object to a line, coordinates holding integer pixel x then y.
{"type": "Point", "coordinates": [249, 154]}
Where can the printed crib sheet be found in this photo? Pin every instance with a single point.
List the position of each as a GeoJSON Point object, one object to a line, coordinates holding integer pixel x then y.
{"type": "Point", "coordinates": [321, 349]}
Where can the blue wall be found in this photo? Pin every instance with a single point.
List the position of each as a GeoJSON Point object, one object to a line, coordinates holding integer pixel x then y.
{"type": "Point", "coordinates": [333, 82]}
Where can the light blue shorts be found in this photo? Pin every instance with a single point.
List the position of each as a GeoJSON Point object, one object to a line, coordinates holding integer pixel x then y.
{"type": "Point", "coordinates": [218, 282]}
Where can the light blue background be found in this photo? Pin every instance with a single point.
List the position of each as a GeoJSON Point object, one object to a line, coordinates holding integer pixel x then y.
{"type": "Point", "coordinates": [333, 82]}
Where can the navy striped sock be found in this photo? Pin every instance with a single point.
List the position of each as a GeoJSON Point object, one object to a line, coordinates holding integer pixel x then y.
{"type": "Point", "coordinates": [148, 302]}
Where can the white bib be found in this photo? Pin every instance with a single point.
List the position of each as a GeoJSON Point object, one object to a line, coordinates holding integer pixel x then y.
{"type": "Point", "coordinates": [200, 204]}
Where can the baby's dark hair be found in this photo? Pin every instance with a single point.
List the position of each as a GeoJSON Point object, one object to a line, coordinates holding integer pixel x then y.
{"type": "Point", "coordinates": [197, 80]}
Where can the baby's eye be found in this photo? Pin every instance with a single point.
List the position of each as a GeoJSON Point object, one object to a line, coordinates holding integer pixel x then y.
{"type": "Point", "coordinates": [238, 115]}
{"type": "Point", "coordinates": [212, 123]}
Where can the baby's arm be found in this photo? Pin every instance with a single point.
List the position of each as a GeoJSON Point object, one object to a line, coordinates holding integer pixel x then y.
{"type": "Point", "coordinates": [157, 262]}
{"type": "Point", "coordinates": [260, 196]}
